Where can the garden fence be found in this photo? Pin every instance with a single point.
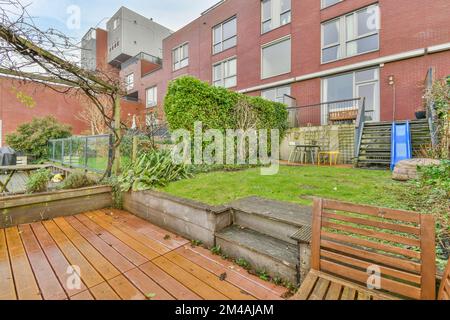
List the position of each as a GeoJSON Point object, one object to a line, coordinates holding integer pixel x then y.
{"type": "Point", "coordinates": [90, 153]}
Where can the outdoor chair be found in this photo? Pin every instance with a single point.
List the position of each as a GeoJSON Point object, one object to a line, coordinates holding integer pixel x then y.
{"type": "Point", "coordinates": [444, 292]}
{"type": "Point", "coordinates": [369, 253]}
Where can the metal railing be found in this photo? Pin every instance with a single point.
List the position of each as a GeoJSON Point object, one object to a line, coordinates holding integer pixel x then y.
{"type": "Point", "coordinates": [359, 127]}
{"type": "Point", "coordinates": [139, 57]}
{"type": "Point", "coordinates": [431, 111]}
{"type": "Point", "coordinates": [334, 112]}
{"type": "Point", "coordinates": [90, 153]}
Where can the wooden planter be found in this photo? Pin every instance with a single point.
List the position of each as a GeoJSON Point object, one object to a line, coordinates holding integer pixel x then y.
{"type": "Point", "coordinates": [22, 209]}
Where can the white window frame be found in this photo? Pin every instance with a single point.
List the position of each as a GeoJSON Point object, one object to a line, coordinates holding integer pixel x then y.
{"type": "Point", "coordinates": [129, 81]}
{"type": "Point", "coordinates": [178, 60]}
{"type": "Point", "coordinates": [344, 39]}
{"type": "Point", "coordinates": [215, 43]}
{"type": "Point", "coordinates": [223, 77]}
{"type": "Point", "coordinates": [153, 103]}
{"type": "Point", "coordinates": [323, 5]}
{"type": "Point", "coordinates": [278, 98]}
{"type": "Point", "coordinates": [376, 81]}
{"type": "Point", "coordinates": [275, 15]}
{"type": "Point", "coordinates": [269, 44]}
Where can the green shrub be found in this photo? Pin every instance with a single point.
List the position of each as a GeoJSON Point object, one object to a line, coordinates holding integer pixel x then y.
{"type": "Point", "coordinates": [38, 181]}
{"type": "Point", "coordinates": [32, 138]}
{"type": "Point", "coordinates": [437, 176]}
{"type": "Point", "coordinates": [190, 100]}
{"type": "Point", "coordinates": [152, 169]}
{"type": "Point", "coordinates": [78, 179]}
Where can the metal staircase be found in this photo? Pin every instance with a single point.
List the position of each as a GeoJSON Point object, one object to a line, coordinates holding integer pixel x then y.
{"type": "Point", "coordinates": [375, 146]}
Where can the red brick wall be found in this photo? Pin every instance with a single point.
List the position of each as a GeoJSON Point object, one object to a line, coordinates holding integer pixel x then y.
{"type": "Point", "coordinates": [47, 102]}
{"type": "Point", "coordinates": [405, 25]}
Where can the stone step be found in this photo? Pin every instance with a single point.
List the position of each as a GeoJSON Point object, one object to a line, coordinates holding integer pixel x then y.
{"type": "Point", "coordinates": [264, 253]}
{"type": "Point", "coordinates": [273, 218]}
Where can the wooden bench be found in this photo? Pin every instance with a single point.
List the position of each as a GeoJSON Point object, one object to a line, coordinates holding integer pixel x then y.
{"type": "Point", "coordinates": [369, 253]}
{"type": "Point", "coordinates": [444, 292]}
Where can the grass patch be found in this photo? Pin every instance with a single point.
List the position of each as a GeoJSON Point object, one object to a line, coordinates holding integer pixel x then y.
{"type": "Point", "coordinates": [292, 184]}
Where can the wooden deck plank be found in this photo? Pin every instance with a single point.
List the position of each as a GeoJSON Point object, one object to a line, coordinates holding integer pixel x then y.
{"type": "Point", "coordinates": [269, 287]}
{"type": "Point", "coordinates": [56, 258]}
{"type": "Point", "coordinates": [145, 251]}
{"type": "Point", "coordinates": [102, 265]}
{"type": "Point", "coordinates": [26, 286]}
{"type": "Point", "coordinates": [213, 281]}
{"type": "Point", "coordinates": [187, 279]}
{"type": "Point", "coordinates": [145, 240]}
{"type": "Point", "coordinates": [89, 275]}
{"type": "Point", "coordinates": [133, 256]}
{"type": "Point", "coordinates": [119, 261]}
{"type": "Point", "coordinates": [50, 287]}
{"type": "Point", "coordinates": [320, 290]}
{"type": "Point", "coordinates": [147, 286]}
{"type": "Point", "coordinates": [83, 296]}
{"type": "Point", "coordinates": [7, 289]}
{"type": "Point", "coordinates": [245, 283]}
{"type": "Point", "coordinates": [125, 289]}
{"type": "Point", "coordinates": [166, 238]}
{"type": "Point", "coordinates": [103, 291]}
{"type": "Point", "coordinates": [168, 283]}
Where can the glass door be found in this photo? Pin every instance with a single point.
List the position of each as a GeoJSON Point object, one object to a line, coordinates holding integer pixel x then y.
{"type": "Point", "coordinates": [369, 91]}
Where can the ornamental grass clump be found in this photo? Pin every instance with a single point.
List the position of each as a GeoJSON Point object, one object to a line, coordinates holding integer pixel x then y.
{"type": "Point", "coordinates": [152, 169]}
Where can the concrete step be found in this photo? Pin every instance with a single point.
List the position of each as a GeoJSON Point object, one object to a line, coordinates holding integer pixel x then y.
{"type": "Point", "coordinates": [264, 253]}
{"type": "Point", "coordinates": [273, 218]}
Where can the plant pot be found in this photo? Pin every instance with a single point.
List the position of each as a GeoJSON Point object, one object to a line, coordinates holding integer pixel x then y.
{"type": "Point", "coordinates": [421, 115]}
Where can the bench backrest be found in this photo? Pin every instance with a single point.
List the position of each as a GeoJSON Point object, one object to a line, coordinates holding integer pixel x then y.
{"type": "Point", "coordinates": [444, 292]}
{"type": "Point", "coordinates": [387, 250]}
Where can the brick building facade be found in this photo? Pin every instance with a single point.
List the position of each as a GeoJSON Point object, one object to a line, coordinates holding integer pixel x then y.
{"type": "Point", "coordinates": [315, 51]}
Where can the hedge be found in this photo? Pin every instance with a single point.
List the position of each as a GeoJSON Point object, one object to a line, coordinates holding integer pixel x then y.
{"type": "Point", "coordinates": [190, 100]}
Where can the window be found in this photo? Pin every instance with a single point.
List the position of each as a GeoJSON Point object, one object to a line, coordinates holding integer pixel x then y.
{"type": "Point", "coordinates": [180, 56]}
{"type": "Point", "coordinates": [277, 94]}
{"type": "Point", "coordinates": [350, 35]}
{"type": "Point", "coordinates": [359, 84]}
{"type": "Point", "coordinates": [225, 73]}
{"type": "Point", "coordinates": [225, 35]}
{"type": "Point", "coordinates": [276, 58]}
{"type": "Point", "coordinates": [115, 23]}
{"type": "Point", "coordinates": [327, 3]}
{"type": "Point", "coordinates": [129, 81]}
{"type": "Point", "coordinates": [151, 97]}
{"type": "Point", "coordinates": [275, 13]}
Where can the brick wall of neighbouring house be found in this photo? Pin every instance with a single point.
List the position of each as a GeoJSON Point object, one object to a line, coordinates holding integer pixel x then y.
{"type": "Point", "coordinates": [48, 102]}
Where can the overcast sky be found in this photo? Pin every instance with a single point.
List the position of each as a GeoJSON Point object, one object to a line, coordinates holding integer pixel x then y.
{"type": "Point", "coordinates": [56, 13]}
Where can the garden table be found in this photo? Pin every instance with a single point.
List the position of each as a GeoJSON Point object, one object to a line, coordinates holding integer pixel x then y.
{"type": "Point", "coordinates": [303, 150]}
{"type": "Point", "coordinates": [12, 170]}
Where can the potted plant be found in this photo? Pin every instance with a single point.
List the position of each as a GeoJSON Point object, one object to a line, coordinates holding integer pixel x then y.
{"type": "Point", "coordinates": [421, 113]}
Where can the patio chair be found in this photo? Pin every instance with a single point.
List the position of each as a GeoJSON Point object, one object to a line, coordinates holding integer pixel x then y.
{"type": "Point", "coordinates": [444, 292]}
{"type": "Point", "coordinates": [369, 253]}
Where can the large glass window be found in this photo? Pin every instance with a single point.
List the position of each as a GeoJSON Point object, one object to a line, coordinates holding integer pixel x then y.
{"type": "Point", "coordinates": [129, 82]}
{"type": "Point", "coordinates": [359, 84]}
{"type": "Point", "coordinates": [225, 73]}
{"type": "Point", "coordinates": [225, 35]}
{"type": "Point", "coordinates": [151, 97]}
{"type": "Point", "coordinates": [180, 56]}
{"type": "Point", "coordinates": [352, 34]}
{"type": "Point", "coordinates": [275, 13]}
{"type": "Point", "coordinates": [276, 58]}
{"type": "Point", "coordinates": [277, 94]}
{"type": "Point", "coordinates": [327, 3]}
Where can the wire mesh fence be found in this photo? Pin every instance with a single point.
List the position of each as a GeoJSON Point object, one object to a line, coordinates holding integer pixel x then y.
{"type": "Point", "coordinates": [88, 152]}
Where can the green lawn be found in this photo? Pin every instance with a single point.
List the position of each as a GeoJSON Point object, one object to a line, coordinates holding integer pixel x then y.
{"type": "Point", "coordinates": [293, 184]}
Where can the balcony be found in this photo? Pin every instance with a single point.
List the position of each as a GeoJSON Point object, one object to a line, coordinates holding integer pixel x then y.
{"type": "Point", "coordinates": [148, 62]}
{"type": "Point", "coordinates": [328, 113]}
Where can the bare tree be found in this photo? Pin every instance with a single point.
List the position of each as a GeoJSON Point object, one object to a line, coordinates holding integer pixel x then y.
{"type": "Point", "coordinates": [51, 58]}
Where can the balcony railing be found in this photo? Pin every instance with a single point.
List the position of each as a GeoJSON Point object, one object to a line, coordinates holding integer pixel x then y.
{"type": "Point", "coordinates": [142, 56]}
{"type": "Point", "coordinates": [334, 112]}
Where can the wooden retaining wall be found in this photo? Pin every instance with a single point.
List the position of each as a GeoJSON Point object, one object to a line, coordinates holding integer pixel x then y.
{"type": "Point", "coordinates": [22, 209]}
{"type": "Point", "coordinates": [191, 219]}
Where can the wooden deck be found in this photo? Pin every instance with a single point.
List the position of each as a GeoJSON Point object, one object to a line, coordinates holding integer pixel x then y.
{"type": "Point", "coordinates": [119, 256]}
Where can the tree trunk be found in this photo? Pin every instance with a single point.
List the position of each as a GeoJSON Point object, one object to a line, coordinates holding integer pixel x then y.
{"type": "Point", "coordinates": [118, 135]}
